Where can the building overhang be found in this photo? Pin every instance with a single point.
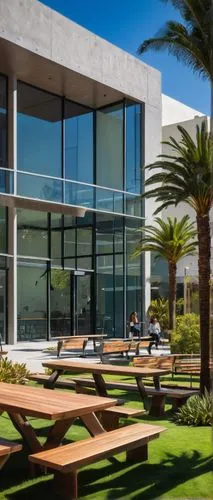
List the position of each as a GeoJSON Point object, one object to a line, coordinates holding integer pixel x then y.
{"type": "Point", "coordinates": [45, 49]}
{"type": "Point", "coordinates": [9, 200]}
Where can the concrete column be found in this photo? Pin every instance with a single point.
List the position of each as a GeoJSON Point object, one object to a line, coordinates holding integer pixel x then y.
{"type": "Point", "coordinates": [152, 139]}
{"type": "Point", "coordinates": [12, 216]}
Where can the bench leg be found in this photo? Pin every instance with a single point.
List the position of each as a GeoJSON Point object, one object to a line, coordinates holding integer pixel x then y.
{"type": "Point", "coordinates": [109, 421]}
{"type": "Point", "coordinates": [3, 460]}
{"type": "Point", "coordinates": [138, 454]}
{"type": "Point", "coordinates": [65, 486]}
{"type": "Point", "coordinates": [177, 403]}
{"type": "Point", "coordinates": [157, 406]}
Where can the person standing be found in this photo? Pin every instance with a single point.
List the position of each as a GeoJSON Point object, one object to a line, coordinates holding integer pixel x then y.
{"type": "Point", "coordinates": [154, 331]}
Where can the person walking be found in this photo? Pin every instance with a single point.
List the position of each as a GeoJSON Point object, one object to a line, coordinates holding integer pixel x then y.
{"type": "Point", "coordinates": [154, 332]}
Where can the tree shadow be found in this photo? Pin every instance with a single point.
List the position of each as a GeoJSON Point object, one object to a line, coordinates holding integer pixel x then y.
{"type": "Point", "coordinates": [154, 479]}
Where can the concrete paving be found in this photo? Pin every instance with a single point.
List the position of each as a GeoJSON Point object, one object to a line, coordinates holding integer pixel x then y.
{"type": "Point", "coordinates": [33, 354]}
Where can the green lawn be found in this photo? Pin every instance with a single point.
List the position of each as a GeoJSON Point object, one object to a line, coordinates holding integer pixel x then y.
{"type": "Point", "coordinates": [179, 465]}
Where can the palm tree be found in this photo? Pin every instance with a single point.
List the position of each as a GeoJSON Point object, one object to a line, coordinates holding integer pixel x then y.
{"type": "Point", "coordinates": [191, 42]}
{"type": "Point", "coordinates": [171, 240]}
{"type": "Point", "coordinates": [185, 175]}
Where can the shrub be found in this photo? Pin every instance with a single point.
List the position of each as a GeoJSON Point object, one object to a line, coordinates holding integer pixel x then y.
{"type": "Point", "coordinates": [196, 411]}
{"type": "Point", "coordinates": [13, 373]}
{"type": "Point", "coordinates": [159, 309]}
{"type": "Point", "coordinates": [186, 338]}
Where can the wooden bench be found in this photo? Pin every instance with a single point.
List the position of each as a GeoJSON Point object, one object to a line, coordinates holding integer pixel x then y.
{"type": "Point", "coordinates": [72, 344]}
{"type": "Point", "coordinates": [114, 347]}
{"type": "Point", "coordinates": [66, 460]}
{"type": "Point", "coordinates": [166, 362]}
{"type": "Point", "coordinates": [6, 448]}
{"type": "Point", "coordinates": [41, 378]}
{"type": "Point", "coordinates": [158, 396]}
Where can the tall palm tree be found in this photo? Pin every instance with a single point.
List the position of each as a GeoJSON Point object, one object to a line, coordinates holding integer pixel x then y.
{"type": "Point", "coordinates": [190, 42]}
{"type": "Point", "coordinates": [171, 240]}
{"type": "Point", "coordinates": [185, 175]}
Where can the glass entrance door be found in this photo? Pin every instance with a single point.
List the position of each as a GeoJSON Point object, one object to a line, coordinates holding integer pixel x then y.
{"type": "Point", "coordinates": [81, 284]}
{"type": "Point", "coordinates": [70, 302]}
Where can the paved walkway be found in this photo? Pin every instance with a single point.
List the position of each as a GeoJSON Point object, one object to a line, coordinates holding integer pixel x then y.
{"type": "Point", "coordinates": [33, 353]}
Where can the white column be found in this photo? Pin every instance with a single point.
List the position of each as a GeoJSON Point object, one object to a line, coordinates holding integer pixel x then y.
{"type": "Point", "coordinates": [12, 217]}
{"type": "Point", "coordinates": [153, 129]}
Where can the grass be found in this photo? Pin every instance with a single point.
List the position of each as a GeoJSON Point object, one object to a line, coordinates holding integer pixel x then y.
{"type": "Point", "coordinates": [179, 465]}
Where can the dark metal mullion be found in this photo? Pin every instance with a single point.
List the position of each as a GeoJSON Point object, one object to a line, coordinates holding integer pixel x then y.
{"type": "Point", "coordinates": [124, 277]}
{"type": "Point", "coordinates": [48, 325]}
{"type": "Point", "coordinates": [142, 162]}
{"type": "Point", "coordinates": [94, 277]}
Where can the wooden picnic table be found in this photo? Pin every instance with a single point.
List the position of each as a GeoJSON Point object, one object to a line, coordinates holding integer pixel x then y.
{"type": "Point", "coordinates": [96, 336]}
{"type": "Point", "coordinates": [21, 401]}
{"type": "Point", "coordinates": [98, 370]}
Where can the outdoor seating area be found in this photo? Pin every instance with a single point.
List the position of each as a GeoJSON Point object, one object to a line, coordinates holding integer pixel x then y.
{"type": "Point", "coordinates": [86, 416]}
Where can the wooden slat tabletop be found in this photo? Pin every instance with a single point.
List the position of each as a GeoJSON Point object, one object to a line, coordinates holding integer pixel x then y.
{"type": "Point", "coordinates": [84, 336]}
{"type": "Point", "coordinates": [8, 447]}
{"type": "Point", "coordinates": [75, 366]}
{"type": "Point", "coordinates": [53, 405]}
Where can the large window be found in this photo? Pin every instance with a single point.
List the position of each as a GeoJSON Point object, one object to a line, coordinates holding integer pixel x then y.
{"type": "Point", "coordinates": [109, 147]}
{"type": "Point", "coordinates": [3, 122]}
{"type": "Point", "coordinates": [133, 147]}
{"type": "Point", "coordinates": [78, 122]}
{"type": "Point", "coordinates": [32, 301]}
{"type": "Point", "coordinates": [134, 270]}
{"type": "Point", "coordinates": [39, 132]}
{"type": "Point", "coordinates": [32, 237]}
{"type": "Point", "coordinates": [3, 230]}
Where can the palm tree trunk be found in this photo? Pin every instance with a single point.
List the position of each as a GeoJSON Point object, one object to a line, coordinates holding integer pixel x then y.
{"type": "Point", "coordinates": [172, 295]}
{"type": "Point", "coordinates": [204, 242]}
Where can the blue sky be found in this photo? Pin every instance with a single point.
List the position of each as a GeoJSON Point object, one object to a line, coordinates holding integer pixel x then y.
{"type": "Point", "coordinates": [126, 24]}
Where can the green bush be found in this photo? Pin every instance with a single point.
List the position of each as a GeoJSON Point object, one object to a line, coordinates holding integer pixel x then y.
{"type": "Point", "coordinates": [159, 309]}
{"type": "Point", "coordinates": [13, 373]}
{"type": "Point", "coordinates": [186, 338]}
{"type": "Point", "coordinates": [196, 411]}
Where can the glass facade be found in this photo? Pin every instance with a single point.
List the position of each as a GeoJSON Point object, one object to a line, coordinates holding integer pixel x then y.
{"type": "Point", "coordinates": [75, 275]}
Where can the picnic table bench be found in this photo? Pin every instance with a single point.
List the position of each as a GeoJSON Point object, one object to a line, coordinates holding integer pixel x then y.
{"type": "Point", "coordinates": [66, 460]}
{"type": "Point", "coordinates": [6, 448]}
{"type": "Point", "coordinates": [77, 342]}
{"type": "Point", "coordinates": [98, 370]}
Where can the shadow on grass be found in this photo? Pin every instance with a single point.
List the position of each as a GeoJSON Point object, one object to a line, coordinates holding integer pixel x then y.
{"type": "Point", "coordinates": [136, 481]}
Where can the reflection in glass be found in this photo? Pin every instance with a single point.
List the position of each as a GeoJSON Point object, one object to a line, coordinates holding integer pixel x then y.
{"type": "Point", "coordinates": [134, 270]}
{"type": "Point", "coordinates": [60, 312]}
{"type": "Point", "coordinates": [105, 295]}
{"type": "Point", "coordinates": [84, 241]}
{"type": "Point", "coordinates": [3, 122]}
{"type": "Point", "coordinates": [119, 296]}
{"type": "Point", "coordinates": [39, 129]}
{"type": "Point", "coordinates": [78, 143]}
{"type": "Point", "coordinates": [83, 304]}
{"type": "Point", "coordinates": [32, 233]}
{"type": "Point", "coordinates": [3, 295]}
{"type": "Point", "coordinates": [32, 301]}
{"type": "Point", "coordinates": [133, 147]}
{"type": "Point", "coordinates": [56, 238]}
{"type": "Point", "coordinates": [3, 230]}
{"type": "Point", "coordinates": [109, 146]}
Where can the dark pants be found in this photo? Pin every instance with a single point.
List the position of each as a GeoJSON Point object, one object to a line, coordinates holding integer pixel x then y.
{"type": "Point", "coordinates": [156, 340]}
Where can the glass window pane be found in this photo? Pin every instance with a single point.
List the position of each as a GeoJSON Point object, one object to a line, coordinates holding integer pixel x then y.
{"type": "Point", "coordinates": [104, 234]}
{"type": "Point", "coordinates": [134, 271]}
{"type": "Point", "coordinates": [60, 319]}
{"type": "Point", "coordinates": [109, 146]}
{"type": "Point", "coordinates": [105, 295]}
{"type": "Point", "coordinates": [3, 230]}
{"type": "Point", "coordinates": [119, 296]}
{"type": "Point", "coordinates": [39, 129]}
{"type": "Point", "coordinates": [3, 122]}
{"type": "Point", "coordinates": [3, 304]}
{"type": "Point", "coordinates": [133, 147]}
{"type": "Point", "coordinates": [32, 301]}
{"type": "Point", "coordinates": [78, 142]}
{"type": "Point", "coordinates": [84, 263]}
{"type": "Point", "coordinates": [56, 238]}
{"type": "Point", "coordinates": [69, 242]}
{"type": "Point", "coordinates": [84, 241]}
{"type": "Point", "coordinates": [32, 233]}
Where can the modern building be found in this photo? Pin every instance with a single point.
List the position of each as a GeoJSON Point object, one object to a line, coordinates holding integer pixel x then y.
{"type": "Point", "coordinates": [78, 119]}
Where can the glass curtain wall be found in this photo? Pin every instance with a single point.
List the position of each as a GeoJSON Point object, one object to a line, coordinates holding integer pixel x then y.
{"type": "Point", "coordinates": [4, 187]}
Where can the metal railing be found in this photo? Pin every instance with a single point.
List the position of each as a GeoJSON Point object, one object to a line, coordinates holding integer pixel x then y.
{"type": "Point", "coordinates": [69, 192]}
